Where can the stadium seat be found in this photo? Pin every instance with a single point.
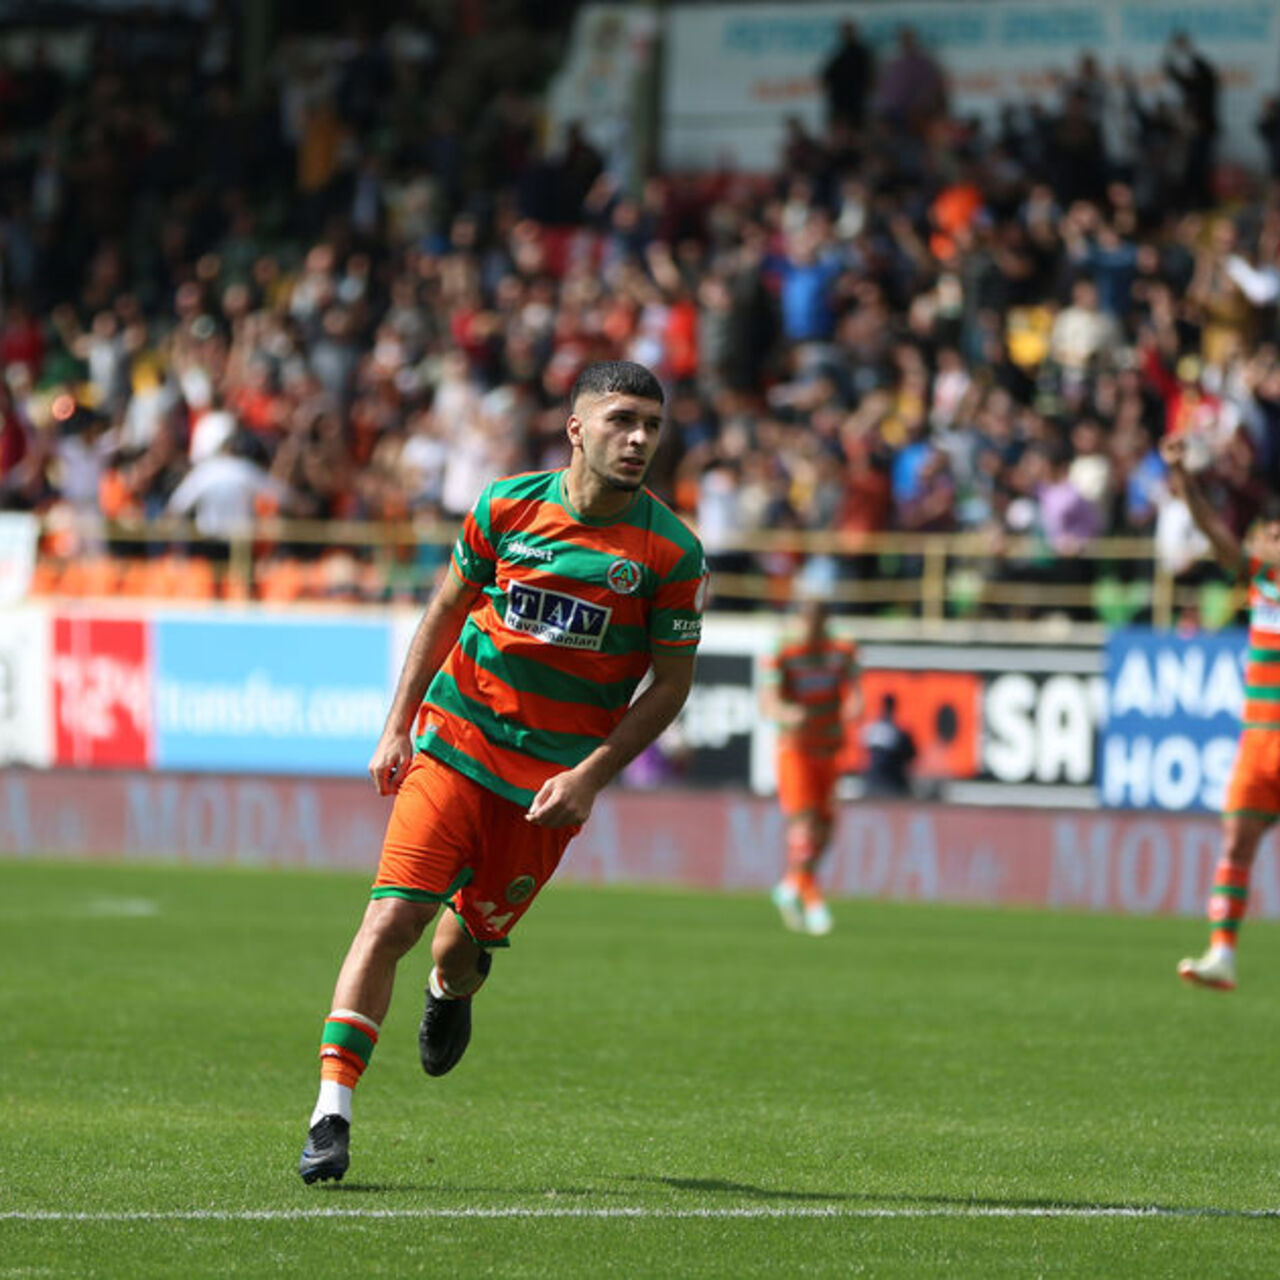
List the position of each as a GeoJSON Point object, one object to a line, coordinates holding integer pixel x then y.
{"type": "Point", "coordinates": [281, 581]}
{"type": "Point", "coordinates": [45, 578]}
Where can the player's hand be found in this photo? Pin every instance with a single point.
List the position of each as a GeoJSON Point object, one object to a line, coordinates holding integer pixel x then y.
{"type": "Point", "coordinates": [391, 762]}
{"type": "Point", "coordinates": [564, 800]}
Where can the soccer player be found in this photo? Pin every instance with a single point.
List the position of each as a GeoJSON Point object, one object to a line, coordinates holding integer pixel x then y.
{"type": "Point", "coordinates": [811, 690]}
{"type": "Point", "coordinates": [513, 709]}
{"type": "Point", "coordinates": [1253, 795]}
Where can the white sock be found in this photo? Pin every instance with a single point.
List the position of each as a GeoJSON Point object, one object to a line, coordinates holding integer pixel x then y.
{"type": "Point", "coordinates": [437, 987]}
{"type": "Point", "coordinates": [334, 1100]}
{"type": "Point", "coordinates": [1220, 951]}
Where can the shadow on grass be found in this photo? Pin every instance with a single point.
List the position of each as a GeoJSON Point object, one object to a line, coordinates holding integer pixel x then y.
{"type": "Point", "coordinates": [866, 1201]}
{"type": "Point", "coordinates": [887, 1199]}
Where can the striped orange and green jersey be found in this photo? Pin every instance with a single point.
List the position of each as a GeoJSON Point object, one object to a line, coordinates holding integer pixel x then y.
{"type": "Point", "coordinates": [552, 651]}
{"type": "Point", "coordinates": [819, 679]}
{"type": "Point", "coordinates": [1262, 668]}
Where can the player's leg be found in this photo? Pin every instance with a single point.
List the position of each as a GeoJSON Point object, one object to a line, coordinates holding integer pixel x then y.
{"type": "Point", "coordinates": [513, 859]}
{"type": "Point", "coordinates": [797, 802]}
{"type": "Point", "coordinates": [1242, 834]}
{"type": "Point", "coordinates": [817, 916]}
{"type": "Point", "coordinates": [1251, 806]}
{"type": "Point", "coordinates": [361, 997]}
{"type": "Point", "coordinates": [458, 972]}
{"type": "Point", "coordinates": [806, 790]}
{"type": "Point", "coordinates": [418, 870]}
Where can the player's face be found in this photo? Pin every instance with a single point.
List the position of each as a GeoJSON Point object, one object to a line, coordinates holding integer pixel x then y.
{"type": "Point", "coordinates": [1266, 540]}
{"type": "Point", "coordinates": [618, 435]}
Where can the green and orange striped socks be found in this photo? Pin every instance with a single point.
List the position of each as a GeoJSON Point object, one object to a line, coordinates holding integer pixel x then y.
{"type": "Point", "coordinates": [1227, 901]}
{"type": "Point", "coordinates": [802, 857]}
{"type": "Point", "coordinates": [345, 1049]}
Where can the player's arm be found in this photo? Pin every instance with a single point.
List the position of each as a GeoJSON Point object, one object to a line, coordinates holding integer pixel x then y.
{"type": "Point", "coordinates": [775, 703]}
{"type": "Point", "coordinates": [1226, 546]}
{"type": "Point", "coordinates": [565, 799]}
{"type": "Point", "coordinates": [851, 699]}
{"type": "Point", "coordinates": [436, 635]}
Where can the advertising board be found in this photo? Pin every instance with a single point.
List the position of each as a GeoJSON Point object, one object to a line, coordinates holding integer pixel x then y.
{"type": "Point", "coordinates": [270, 695]}
{"type": "Point", "coordinates": [1174, 719]}
{"type": "Point", "coordinates": [735, 72]}
{"type": "Point", "coordinates": [26, 703]}
{"type": "Point", "coordinates": [101, 675]}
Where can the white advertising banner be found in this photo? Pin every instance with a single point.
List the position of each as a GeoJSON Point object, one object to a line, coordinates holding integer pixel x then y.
{"type": "Point", "coordinates": [19, 536]}
{"type": "Point", "coordinates": [26, 703]}
{"type": "Point", "coordinates": [734, 72]}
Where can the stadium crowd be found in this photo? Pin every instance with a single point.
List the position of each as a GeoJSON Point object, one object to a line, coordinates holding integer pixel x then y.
{"type": "Point", "coordinates": [335, 300]}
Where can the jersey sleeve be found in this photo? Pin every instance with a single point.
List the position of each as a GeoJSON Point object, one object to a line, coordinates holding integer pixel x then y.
{"type": "Point", "coordinates": [676, 620]}
{"type": "Point", "coordinates": [474, 559]}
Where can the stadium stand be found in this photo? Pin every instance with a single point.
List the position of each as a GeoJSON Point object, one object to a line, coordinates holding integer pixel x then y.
{"type": "Point", "coordinates": [305, 287]}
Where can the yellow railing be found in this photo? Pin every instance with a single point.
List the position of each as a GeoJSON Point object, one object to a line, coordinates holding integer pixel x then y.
{"type": "Point", "coordinates": [932, 577]}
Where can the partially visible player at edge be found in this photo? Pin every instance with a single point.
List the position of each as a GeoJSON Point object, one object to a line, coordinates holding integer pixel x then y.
{"type": "Point", "coordinates": [811, 690]}
{"type": "Point", "coordinates": [514, 708]}
{"type": "Point", "coordinates": [1252, 801]}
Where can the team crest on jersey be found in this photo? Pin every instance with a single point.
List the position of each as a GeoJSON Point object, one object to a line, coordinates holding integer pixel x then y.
{"type": "Point", "coordinates": [521, 890]}
{"type": "Point", "coordinates": [623, 576]}
{"type": "Point", "coordinates": [556, 618]}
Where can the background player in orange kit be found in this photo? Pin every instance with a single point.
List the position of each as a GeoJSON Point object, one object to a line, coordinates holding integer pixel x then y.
{"type": "Point", "coordinates": [1252, 801]}
{"type": "Point", "coordinates": [514, 708]}
{"type": "Point", "coordinates": [811, 690]}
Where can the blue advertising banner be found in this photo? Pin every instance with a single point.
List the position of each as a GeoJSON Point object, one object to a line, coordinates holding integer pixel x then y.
{"type": "Point", "coordinates": [1174, 702]}
{"type": "Point", "coordinates": [270, 695]}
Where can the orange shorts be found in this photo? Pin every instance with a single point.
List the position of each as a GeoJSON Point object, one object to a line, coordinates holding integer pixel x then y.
{"type": "Point", "coordinates": [1254, 789]}
{"type": "Point", "coordinates": [806, 783]}
{"type": "Point", "coordinates": [451, 840]}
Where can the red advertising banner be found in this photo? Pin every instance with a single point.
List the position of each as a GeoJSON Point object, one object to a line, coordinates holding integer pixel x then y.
{"type": "Point", "coordinates": [101, 691]}
{"type": "Point", "coordinates": [722, 840]}
{"type": "Point", "coordinates": [941, 710]}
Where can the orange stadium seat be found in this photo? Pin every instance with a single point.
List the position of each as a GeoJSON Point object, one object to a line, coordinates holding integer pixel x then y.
{"type": "Point", "coordinates": [282, 581]}
{"type": "Point", "coordinates": [45, 578]}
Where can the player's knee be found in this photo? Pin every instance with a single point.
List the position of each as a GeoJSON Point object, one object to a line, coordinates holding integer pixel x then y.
{"type": "Point", "coordinates": [394, 924]}
{"type": "Point", "coordinates": [461, 964]}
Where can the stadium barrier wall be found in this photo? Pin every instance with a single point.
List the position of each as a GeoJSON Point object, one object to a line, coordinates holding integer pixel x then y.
{"type": "Point", "coordinates": [734, 72]}
{"type": "Point", "coordinates": [1145, 719]}
{"type": "Point", "coordinates": [725, 840]}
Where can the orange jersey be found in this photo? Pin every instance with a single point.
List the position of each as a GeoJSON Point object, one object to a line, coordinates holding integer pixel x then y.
{"type": "Point", "coordinates": [571, 611]}
{"type": "Point", "coordinates": [818, 679]}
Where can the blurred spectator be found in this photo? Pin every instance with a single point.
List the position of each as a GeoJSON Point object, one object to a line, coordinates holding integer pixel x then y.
{"type": "Point", "coordinates": [1198, 82]}
{"type": "Point", "coordinates": [911, 92]}
{"type": "Point", "coordinates": [365, 291]}
{"type": "Point", "coordinates": [891, 750]}
{"type": "Point", "coordinates": [847, 78]}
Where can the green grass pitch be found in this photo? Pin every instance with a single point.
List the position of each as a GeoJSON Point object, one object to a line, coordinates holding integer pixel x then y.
{"type": "Point", "coordinates": [661, 1084]}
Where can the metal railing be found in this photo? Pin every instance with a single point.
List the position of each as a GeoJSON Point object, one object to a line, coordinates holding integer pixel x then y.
{"type": "Point", "coordinates": [931, 577]}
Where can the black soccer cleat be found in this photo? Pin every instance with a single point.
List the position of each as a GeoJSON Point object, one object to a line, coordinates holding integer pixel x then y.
{"type": "Point", "coordinates": [327, 1153]}
{"type": "Point", "coordinates": [445, 1030]}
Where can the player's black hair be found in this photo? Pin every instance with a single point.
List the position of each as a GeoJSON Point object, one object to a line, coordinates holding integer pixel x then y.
{"type": "Point", "coordinates": [616, 377]}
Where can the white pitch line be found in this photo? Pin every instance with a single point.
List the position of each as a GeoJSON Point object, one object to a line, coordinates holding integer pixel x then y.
{"type": "Point", "coordinates": [636, 1212]}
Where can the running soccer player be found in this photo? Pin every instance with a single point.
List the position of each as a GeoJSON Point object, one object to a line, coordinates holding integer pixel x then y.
{"type": "Point", "coordinates": [812, 691]}
{"type": "Point", "coordinates": [513, 709]}
{"type": "Point", "coordinates": [1253, 795]}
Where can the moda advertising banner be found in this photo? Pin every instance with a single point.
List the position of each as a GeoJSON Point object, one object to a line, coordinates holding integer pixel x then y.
{"type": "Point", "coordinates": [101, 678]}
{"type": "Point", "coordinates": [268, 694]}
{"type": "Point", "coordinates": [734, 72]}
{"type": "Point", "coordinates": [718, 840]}
{"type": "Point", "coordinates": [26, 703]}
{"type": "Point", "coordinates": [1174, 719]}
